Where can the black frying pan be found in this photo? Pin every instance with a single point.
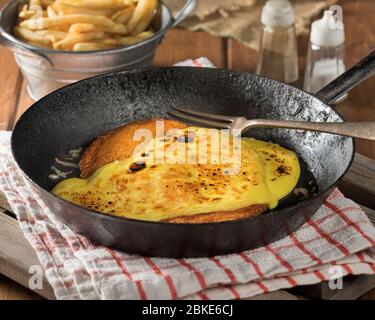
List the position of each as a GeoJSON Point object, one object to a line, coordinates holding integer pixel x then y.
{"type": "Point", "coordinates": [74, 115]}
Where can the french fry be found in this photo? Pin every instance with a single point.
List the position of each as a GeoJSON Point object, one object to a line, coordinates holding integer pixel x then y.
{"type": "Point", "coordinates": [91, 46]}
{"type": "Point", "coordinates": [22, 8]}
{"type": "Point", "coordinates": [35, 3]}
{"type": "Point", "coordinates": [81, 28]}
{"type": "Point", "coordinates": [145, 34]}
{"type": "Point", "coordinates": [123, 16]}
{"type": "Point", "coordinates": [53, 38]}
{"type": "Point", "coordinates": [26, 14]}
{"type": "Point", "coordinates": [50, 12]}
{"type": "Point", "coordinates": [116, 29]}
{"type": "Point", "coordinates": [53, 35]}
{"type": "Point", "coordinates": [97, 4]}
{"type": "Point", "coordinates": [32, 11]}
{"type": "Point", "coordinates": [51, 32]}
{"type": "Point", "coordinates": [142, 9]}
{"type": "Point", "coordinates": [86, 27]}
{"type": "Point", "coordinates": [39, 45]}
{"type": "Point", "coordinates": [71, 40]}
{"type": "Point", "coordinates": [64, 9]}
{"type": "Point", "coordinates": [127, 41]}
{"type": "Point", "coordinates": [113, 42]}
{"type": "Point", "coordinates": [134, 39]}
{"type": "Point", "coordinates": [31, 36]}
{"type": "Point", "coordinates": [46, 3]}
{"type": "Point", "coordinates": [148, 15]}
{"type": "Point", "coordinates": [63, 28]}
{"type": "Point", "coordinates": [45, 23]}
{"type": "Point", "coordinates": [55, 8]}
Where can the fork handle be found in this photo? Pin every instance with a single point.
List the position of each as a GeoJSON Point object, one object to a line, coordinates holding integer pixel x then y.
{"type": "Point", "coordinates": [361, 130]}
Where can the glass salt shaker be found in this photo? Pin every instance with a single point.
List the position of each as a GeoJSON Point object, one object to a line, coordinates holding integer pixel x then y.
{"type": "Point", "coordinates": [278, 57]}
{"type": "Point", "coordinates": [325, 57]}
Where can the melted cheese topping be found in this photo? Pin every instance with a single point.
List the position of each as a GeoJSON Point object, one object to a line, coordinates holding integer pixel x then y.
{"type": "Point", "coordinates": [155, 186]}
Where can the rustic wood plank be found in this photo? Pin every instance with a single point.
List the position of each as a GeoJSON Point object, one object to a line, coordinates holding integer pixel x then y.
{"type": "Point", "coordinates": [368, 295]}
{"type": "Point", "coordinates": [359, 182]}
{"type": "Point", "coordinates": [370, 214]}
{"type": "Point", "coordinates": [353, 288]}
{"type": "Point", "coordinates": [24, 101]}
{"type": "Point", "coordinates": [360, 40]}
{"type": "Point", "coordinates": [10, 84]}
{"type": "Point", "coordinates": [276, 295]}
{"type": "Point", "coordinates": [181, 44]}
{"type": "Point", "coordinates": [10, 290]}
{"type": "Point", "coordinates": [16, 255]}
{"type": "Point", "coordinates": [240, 57]}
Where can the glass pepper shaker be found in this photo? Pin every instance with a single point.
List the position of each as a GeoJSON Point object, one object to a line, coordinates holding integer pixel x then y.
{"type": "Point", "coordinates": [278, 57]}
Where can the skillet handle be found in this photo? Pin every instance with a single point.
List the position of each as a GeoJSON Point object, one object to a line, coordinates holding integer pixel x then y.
{"type": "Point", "coordinates": [184, 12]}
{"type": "Point", "coordinates": [349, 79]}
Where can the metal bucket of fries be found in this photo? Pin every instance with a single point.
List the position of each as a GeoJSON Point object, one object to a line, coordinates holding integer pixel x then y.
{"type": "Point", "coordinates": [58, 42]}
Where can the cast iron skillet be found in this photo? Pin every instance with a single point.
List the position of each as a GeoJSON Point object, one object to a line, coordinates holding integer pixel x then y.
{"type": "Point", "coordinates": [76, 114]}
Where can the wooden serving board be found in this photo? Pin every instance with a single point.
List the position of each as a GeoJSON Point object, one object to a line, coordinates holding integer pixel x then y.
{"type": "Point", "coordinates": [16, 254]}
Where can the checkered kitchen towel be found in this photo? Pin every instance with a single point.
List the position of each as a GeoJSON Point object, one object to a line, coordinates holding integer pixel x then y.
{"type": "Point", "coordinates": [339, 234]}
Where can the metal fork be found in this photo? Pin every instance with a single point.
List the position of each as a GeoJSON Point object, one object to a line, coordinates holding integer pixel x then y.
{"type": "Point", "coordinates": [237, 125]}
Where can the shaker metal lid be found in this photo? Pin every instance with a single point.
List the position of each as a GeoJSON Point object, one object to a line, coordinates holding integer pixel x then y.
{"type": "Point", "coordinates": [327, 31]}
{"type": "Point", "coordinates": [277, 13]}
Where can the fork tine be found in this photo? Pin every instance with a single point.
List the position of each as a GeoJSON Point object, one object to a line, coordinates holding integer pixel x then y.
{"type": "Point", "coordinates": [205, 115]}
{"type": "Point", "coordinates": [188, 118]}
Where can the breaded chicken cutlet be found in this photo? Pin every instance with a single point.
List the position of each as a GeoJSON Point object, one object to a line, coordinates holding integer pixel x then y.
{"type": "Point", "coordinates": [119, 144]}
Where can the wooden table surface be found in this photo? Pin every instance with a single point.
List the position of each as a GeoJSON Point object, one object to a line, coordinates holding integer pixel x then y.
{"type": "Point", "coordinates": [224, 53]}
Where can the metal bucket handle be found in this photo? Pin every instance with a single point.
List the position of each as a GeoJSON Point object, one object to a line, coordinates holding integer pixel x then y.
{"type": "Point", "coordinates": [184, 12]}
{"type": "Point", "coordinates": [23, 50]}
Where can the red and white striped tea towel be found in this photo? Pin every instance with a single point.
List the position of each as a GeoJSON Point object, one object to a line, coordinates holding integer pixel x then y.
{"type": "Point", "coordinates": [339, 235]}
{"type": "Point", "coordinates": [200, 62]}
